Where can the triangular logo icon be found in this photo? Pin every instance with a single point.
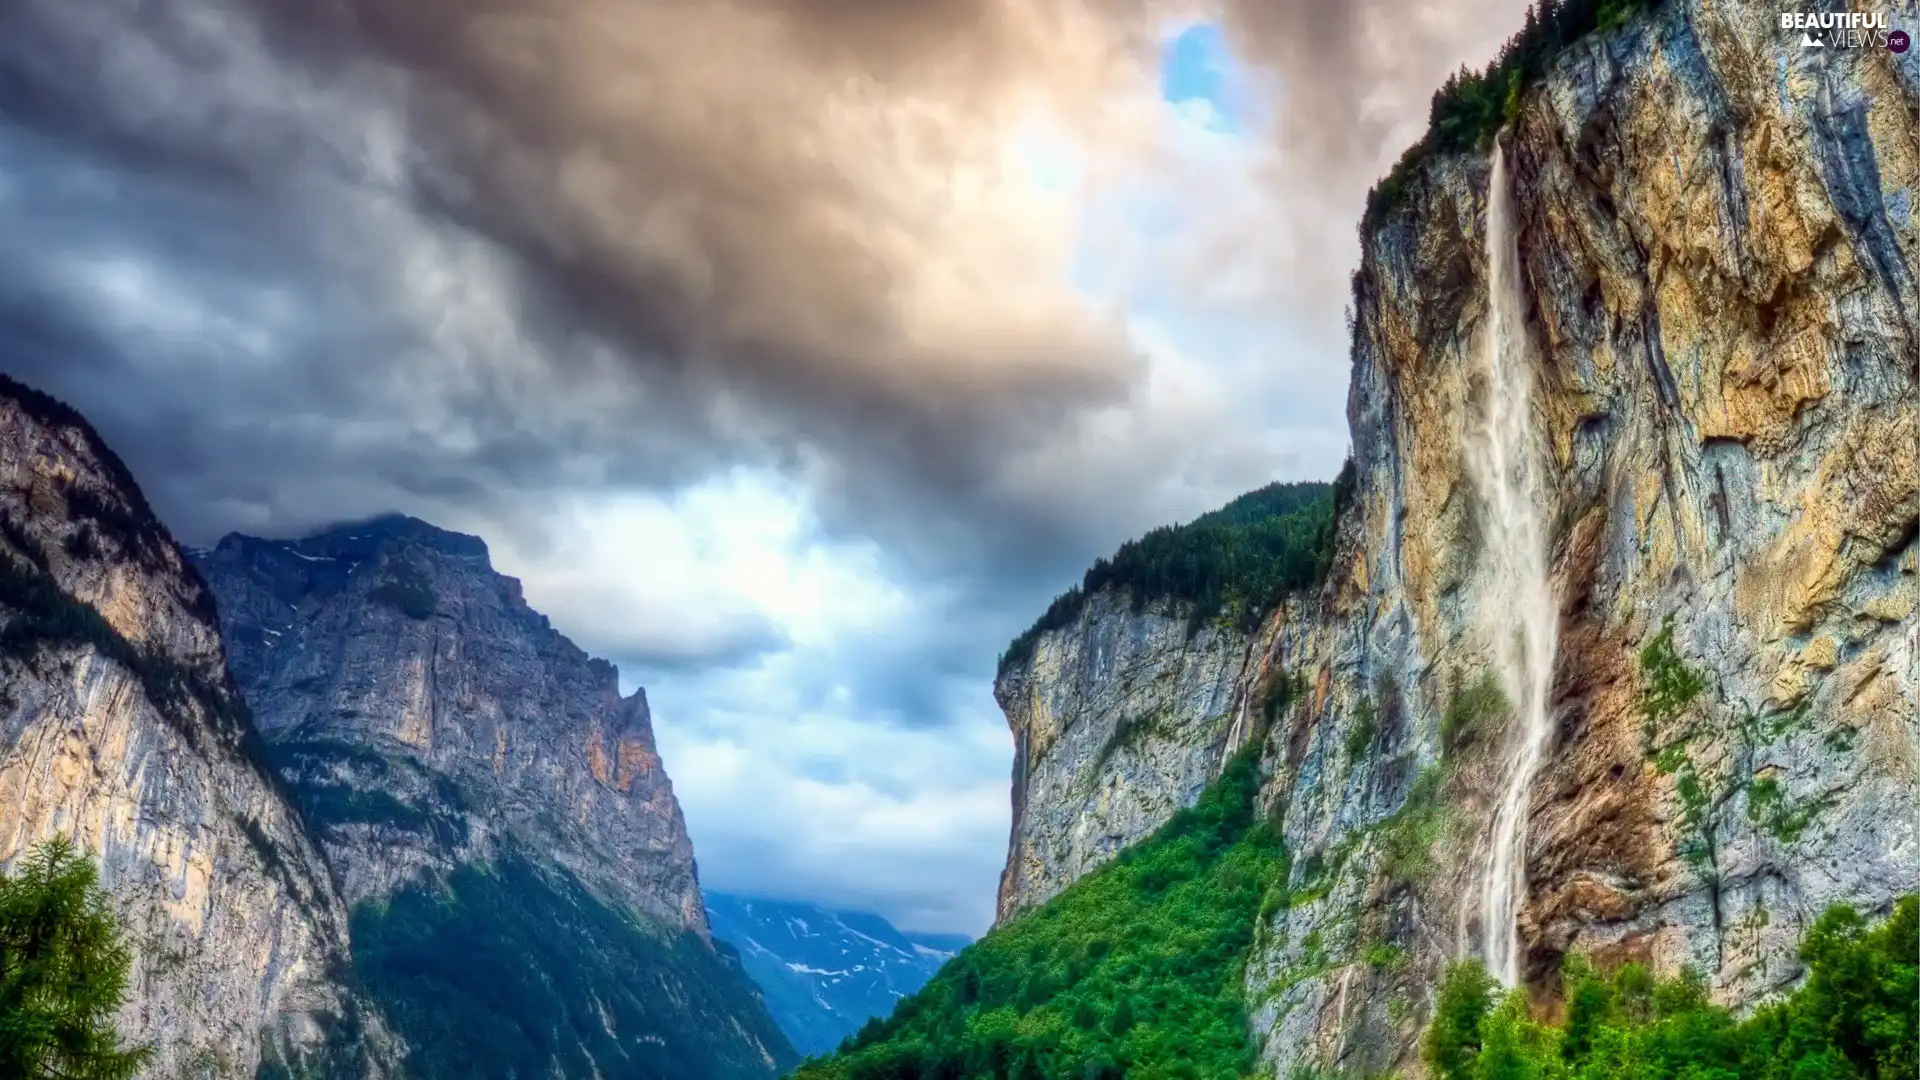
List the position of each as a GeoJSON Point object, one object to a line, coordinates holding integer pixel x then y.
{"type": "Point", "coordinates": [1808, 41]}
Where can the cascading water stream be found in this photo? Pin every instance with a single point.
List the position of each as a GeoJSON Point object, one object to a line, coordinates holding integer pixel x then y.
{"type": "Point", "coordinates": [1518, 598]}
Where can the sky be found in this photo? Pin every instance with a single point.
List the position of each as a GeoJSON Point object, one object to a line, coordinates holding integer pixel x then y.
{"type": "Point", "coordinates": [794, 353]}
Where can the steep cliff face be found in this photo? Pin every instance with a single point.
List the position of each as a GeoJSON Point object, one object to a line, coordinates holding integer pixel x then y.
{"type": "Point", "coordinates": [119, 727]}
{"type": "Point", "coordinates": [1119, 719]}
{"type": "Point", "coordinates": [1717, 264]}
{"type": "Point", "coordinates": [422, 709]}
{"type": "Point", "coordinates": [446, 741]}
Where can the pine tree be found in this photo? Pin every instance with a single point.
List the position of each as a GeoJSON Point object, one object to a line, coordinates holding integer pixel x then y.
{"type": "Point", "coordinates": [63, 972]}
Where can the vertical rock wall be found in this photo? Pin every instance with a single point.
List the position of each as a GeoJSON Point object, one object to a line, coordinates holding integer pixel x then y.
{"type": "Point", "coordinates": [119, 729]}
{"type": "Point", "coordinates": [1718, 254]}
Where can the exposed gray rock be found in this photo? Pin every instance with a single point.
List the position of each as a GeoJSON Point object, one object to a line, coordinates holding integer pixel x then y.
{"type": "Point", "coordinates": [423, 710]}
{"type": "Point", "coordinates": [119, 728]}
{"type": "Point", "coordinates": [1718, 251]}
{"type": "Point", "coordinates": [1119, 719]}
{"type": "Point", "coordinates": [446, 742]}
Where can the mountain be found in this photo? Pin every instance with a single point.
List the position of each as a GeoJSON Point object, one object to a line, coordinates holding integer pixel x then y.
{"type": "Point", "coordinates": [523, 891]}
{"type": "Point", "coordinates": [1129, 693]}
{"type": "Point", "coordinates": [825, 973]}
{"type": "Point", "coordinates": [1616, 652]}
{"type": "Point", "coordinates": [120, 727]}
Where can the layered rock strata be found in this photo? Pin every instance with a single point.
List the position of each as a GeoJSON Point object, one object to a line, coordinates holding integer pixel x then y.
{"type": "Point", "coordinates": [120, 729]}
{"type": "Point", "coordinates": [1717, 250]}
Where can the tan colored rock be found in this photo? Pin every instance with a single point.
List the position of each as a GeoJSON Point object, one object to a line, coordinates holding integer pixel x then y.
{"type": "Point", "coordinates": [1719, 247]}
{"type": "Point", "coordinates": [235, 928]}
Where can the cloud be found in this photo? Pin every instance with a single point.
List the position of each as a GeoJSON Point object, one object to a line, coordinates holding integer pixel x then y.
{"type": "Point", "coordinates": [785, 228]}
{"type": "Point", "coordinates": [788, 809]}
{"type": "Point", "coordinates": [794, 351]}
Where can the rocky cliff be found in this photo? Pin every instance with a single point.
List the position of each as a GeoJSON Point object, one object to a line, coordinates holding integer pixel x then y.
{"type": "Point", "coordinates": [423, 710]}
{"type": "Point", "coordinates": [1119, 719]}
{"type": "Point", "coordinates": [1716, 268]}
{"type": "Point", "coordinates": [480, 785]}
{"type": "Point", "coordinates": [120, 728]}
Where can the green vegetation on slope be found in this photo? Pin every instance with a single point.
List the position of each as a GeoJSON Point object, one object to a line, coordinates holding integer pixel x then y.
{"type": "Point", "coordinates": [1472, 106]}
{"type": "Point", "coordinates": [63, 972]}
{"type": "Point", "coordinates": [1242, 558]}
{"type": "Point", "coordinates": [1135, 970]}
{"type": "Point", "coordinates": [1853, 1019]}
{"type": "Point", "coordinates": [510, 972]}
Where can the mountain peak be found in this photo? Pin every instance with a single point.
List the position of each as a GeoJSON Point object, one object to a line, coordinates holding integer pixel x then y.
{"type": "Point", "coordinates": [368, 536]}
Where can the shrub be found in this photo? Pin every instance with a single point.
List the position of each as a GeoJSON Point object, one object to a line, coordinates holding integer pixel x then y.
{"type": "Point", "coordinates": [1853, 1019]}
{"type": "Point", "coordinates": [1407, 838]}
{"type": "Point", "coordinates": [1469, 711]}
{"type": "Point", "coordinates": [1364, 729]}
{"type": "Point", "coordinates": [1667, 685]}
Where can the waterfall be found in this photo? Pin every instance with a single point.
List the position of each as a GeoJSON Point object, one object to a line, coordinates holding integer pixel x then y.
{"type": "Point", "coordinates": [1517, 600]}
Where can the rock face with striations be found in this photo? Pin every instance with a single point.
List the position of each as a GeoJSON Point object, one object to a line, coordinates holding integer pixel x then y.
{"type": "Point", "coordinates": [444, 739]}
{"type": "Point", "coordinates": [389, 657]}
{"type": "Point", "coordinates": [1718, 260]}
{"type": "Point", "coordinates": [1118, 719]}
{"type": "Point", "coordinates": [120, 728]}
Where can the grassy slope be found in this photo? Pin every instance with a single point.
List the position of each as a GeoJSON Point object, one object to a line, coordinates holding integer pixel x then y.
{"type": "Point", "coordinates": [1135, 970]}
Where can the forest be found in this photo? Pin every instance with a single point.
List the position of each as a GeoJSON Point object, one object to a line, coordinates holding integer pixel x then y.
{"type": "Point", "coordinates": [1853, 1018]}
{"type": "Point", "coordinates": [1136, 970]}
{"type": "Point", "coordinates": [1471, 107]}
{"type": "Point", "coordinates": [1239, 560]}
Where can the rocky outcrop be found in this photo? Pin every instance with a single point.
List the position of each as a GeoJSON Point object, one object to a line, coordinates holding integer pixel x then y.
{"type": "Point", "coordinates": [424, 712]}
{"type": "Point", "coordinates": [120, 728]}
{"type": "Point", "coordinates": [1717, 253]}
{"type": "Point", "coordinates": [445, 741]}
{"type": "Point", "coordinates": [1119, 718]}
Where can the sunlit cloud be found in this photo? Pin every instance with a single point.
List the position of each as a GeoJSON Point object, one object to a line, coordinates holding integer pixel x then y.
{"type": "Point", "coordinates": [794, 354]}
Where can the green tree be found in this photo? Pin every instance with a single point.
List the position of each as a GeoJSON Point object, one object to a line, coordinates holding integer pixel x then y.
{"type": "Point", "coordinates": [1857, 1017]}
{"type": "Point", "coordinates": [1589, 1001]}
{"type": "Point", "coordinates": [1514, 1047]}
{"type": "Point", "coordinates": [63, 972]}
{"type": "Point", "coordinates": [1453, 1042]}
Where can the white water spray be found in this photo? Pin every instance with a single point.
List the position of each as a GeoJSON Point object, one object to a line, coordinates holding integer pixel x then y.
{"type": "Point", "coordinates": [1518, 600]}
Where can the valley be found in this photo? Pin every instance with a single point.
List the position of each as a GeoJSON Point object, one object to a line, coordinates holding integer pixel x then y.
{"type": "Point", "coordinates": [1571, 730]}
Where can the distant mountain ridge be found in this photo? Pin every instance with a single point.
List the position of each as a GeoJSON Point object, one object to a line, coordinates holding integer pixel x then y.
{"type": "Point", "coordinates": [523, 892]}
{"type": "Point", "coordinates": [825, 973]}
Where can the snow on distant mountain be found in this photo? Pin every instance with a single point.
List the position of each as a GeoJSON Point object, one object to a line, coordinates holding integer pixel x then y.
{"type": "Point", "coordinates": [825, 973]}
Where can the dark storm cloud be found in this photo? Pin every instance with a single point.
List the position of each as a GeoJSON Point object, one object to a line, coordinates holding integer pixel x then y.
{"type": "Point", "coordinates": [674, 226]}
{"type": "Point", "coordinates": [718, 216]}
{"type": "Point", "coordinates": [309, 260]}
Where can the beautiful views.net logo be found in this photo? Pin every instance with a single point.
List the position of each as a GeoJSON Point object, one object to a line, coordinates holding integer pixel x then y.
{"type": "Point", "coordinates": [1845, 30]}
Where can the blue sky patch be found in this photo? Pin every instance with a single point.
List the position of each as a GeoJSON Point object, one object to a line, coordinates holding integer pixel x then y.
{"type": "Point", "coordinates": [1197, 71]}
